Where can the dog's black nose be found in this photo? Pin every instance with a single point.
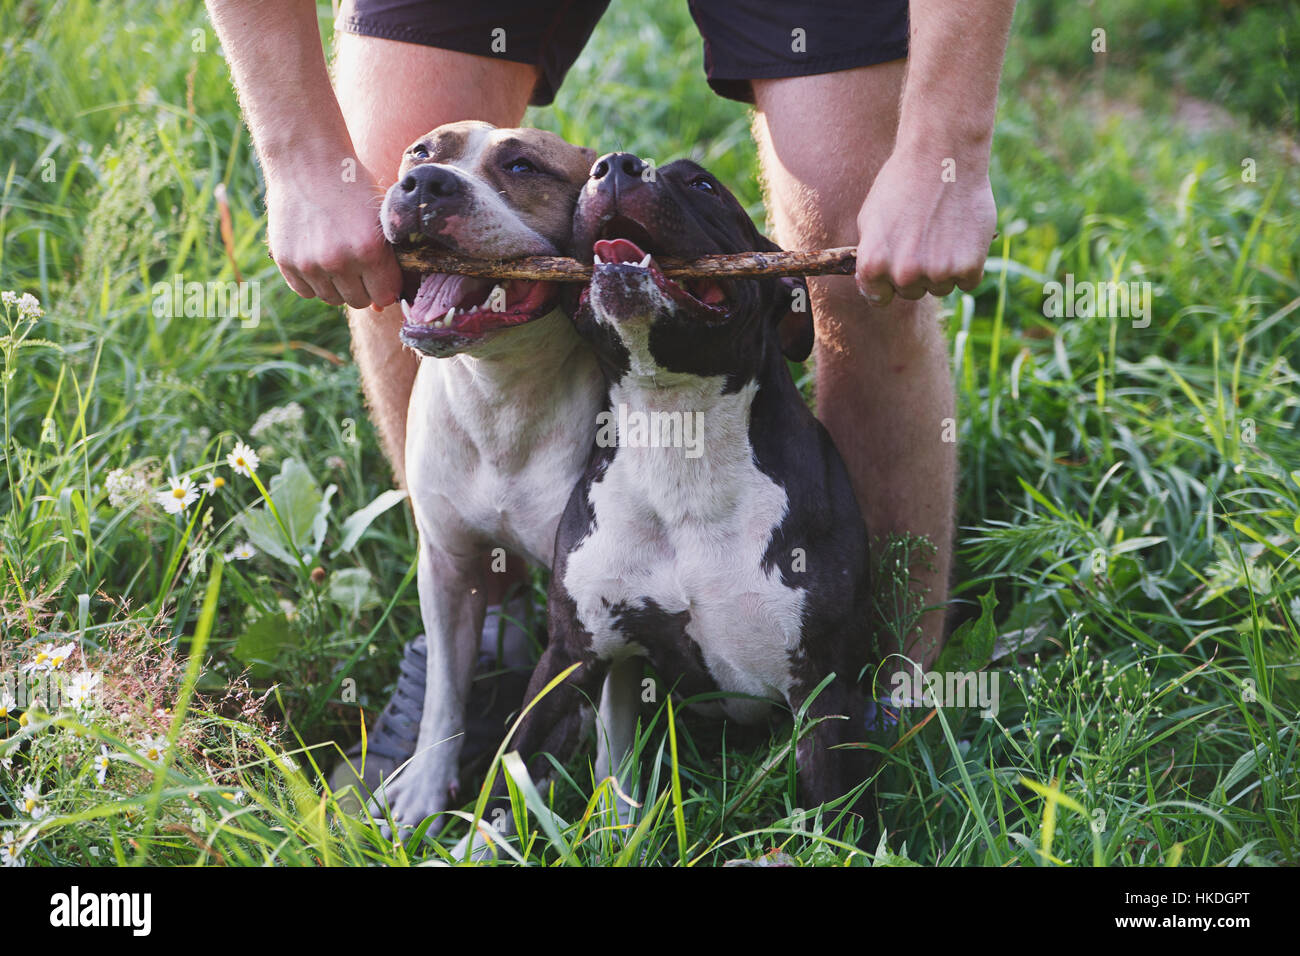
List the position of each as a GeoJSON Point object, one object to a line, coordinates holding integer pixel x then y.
{"type": "Point", "coordinates": [618, 167]}
{"type": "Point", "coordinates": [429, 182]}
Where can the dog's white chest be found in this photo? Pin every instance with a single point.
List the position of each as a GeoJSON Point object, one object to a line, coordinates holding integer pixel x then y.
{"type": "Point", "coordinates": [492, 466]}
{"type": "Point", "coordinates": [679, 533]}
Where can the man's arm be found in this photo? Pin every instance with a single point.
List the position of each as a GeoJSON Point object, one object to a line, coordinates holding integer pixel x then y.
{"type": "Point", "coordinates": [323, 225]}
{"type": "Point", "coordinates": [929, 217]}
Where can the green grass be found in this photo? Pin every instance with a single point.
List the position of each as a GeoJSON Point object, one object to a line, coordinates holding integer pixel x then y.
{"type": "Point", "coordinates": [1129, 504]}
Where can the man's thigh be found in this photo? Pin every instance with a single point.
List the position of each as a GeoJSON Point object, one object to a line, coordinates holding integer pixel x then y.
{"type": "Point", "coordinates": [392, 92]}
{"type": "Point", "coordinates": [821, 141]}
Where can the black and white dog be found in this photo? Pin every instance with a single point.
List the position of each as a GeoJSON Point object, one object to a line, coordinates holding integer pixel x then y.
{"type": "Point", "coordinates": [714, 531]}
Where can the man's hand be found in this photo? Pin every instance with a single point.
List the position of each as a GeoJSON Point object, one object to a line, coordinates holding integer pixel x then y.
{"type": "Point", "coordinates": [323, 230]}
{"type": "Point", "coordinates": [325, 237]}
{"type": "Point", "coordinates": [928, 220]}
{"type": "Point", "coordinates": [919, 233]}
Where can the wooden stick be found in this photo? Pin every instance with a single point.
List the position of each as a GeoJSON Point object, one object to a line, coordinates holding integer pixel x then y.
{"type": "Point", "coordinates": [826, 262]}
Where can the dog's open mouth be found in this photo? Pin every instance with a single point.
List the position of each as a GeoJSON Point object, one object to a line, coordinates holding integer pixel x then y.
{"type": "Point", "coordinates": [623, 245]}
{"type": "Point", "coordinates": [444, 313]}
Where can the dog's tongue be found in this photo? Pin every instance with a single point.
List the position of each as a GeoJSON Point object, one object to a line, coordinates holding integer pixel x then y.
{"type": "Point", "coordinates": [617, 250]}
{"type": "Point", "coordinates": [440, 292]}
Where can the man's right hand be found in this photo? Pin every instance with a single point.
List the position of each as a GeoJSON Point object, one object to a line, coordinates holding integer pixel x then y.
{"type": "Point", "coordinates": [325, 237]}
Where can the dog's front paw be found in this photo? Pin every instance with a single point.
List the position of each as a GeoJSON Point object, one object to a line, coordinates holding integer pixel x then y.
{"type": "Point", "coordinates": [411, 797]}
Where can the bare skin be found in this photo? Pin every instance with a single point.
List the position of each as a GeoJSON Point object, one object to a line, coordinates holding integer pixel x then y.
{"type": "Point", "coordinates": [323, 231]}
{"type": "Point", "coordinates": [926, 224]}
{"type": "Point", "coordinates": [883, 381]}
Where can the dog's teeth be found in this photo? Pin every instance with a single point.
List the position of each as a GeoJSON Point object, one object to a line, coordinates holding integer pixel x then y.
{"type": "Point", "coordinates": [406, 309]}
{"type": "Point", "coordinates": [497, 289]}
{"type": "Point", "coordinates": [451, 314]}
{"type": "Point", "coordinates": [645, 263]}
{"type": "Point", "coordinates": [597, 260]}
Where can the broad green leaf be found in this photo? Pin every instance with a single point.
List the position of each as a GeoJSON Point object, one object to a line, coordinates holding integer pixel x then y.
{"type": "Point", "coordinates": [353, 589]}
{"type": "Point", "coordinates": [263, 641]}
{"type": "Point", "coordinates": [357, 522]}
{"type": "Point", "coordinates": [971, 645]}
{"type": "Point", "coordinates": [302, 508]}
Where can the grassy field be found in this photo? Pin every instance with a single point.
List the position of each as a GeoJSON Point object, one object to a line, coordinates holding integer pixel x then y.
{"type": "Point", "coordinates": [1129, 509]}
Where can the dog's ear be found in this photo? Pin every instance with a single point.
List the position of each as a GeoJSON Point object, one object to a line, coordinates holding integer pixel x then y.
{"type": "Point", "coordinates": [794, 321]}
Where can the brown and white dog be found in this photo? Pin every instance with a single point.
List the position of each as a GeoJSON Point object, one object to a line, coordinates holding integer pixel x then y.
{"type": "Point", "coordinates": [499, 425]}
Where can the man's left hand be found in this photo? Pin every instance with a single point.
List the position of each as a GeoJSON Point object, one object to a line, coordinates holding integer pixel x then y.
{"type": "Point", "coordinates": [926, 226]}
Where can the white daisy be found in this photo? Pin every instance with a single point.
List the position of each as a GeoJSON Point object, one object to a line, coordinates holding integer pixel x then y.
{"type": "Point", "coordinates": [153, 747]}
{"type": "Point", "coordinates": [242, 552]}
{"type": "Point", "coordinates": [179, 496]}
{"type": "Point", "coordinates": [213, 484]}
{"type": "Point", "coordinates": [7, 703]}
{"type": "Point", "coordinates": [60, 654]}
{"type": "Point", "coordinates": [242, 459]}
{"type": "Point", "coordinates": [82, 689]}
{"type": "Point", "coordinates": [50, 657]}
{"type": "Point", "coordinates": [31, 804]}
{"type": "Point", "coordinates": [11, 848]}
{"type": "Point", "coordinates": [101, 764]}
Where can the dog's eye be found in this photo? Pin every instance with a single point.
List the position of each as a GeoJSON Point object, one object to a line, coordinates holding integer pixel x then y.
{"type": "Point", "coordinates": [520, 166]}
{"type": "Point", "coordinates": [419, 151]}
{"type": "Point", "coordinates": [702, 184]}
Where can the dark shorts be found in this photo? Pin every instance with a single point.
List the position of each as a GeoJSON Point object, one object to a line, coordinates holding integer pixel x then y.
{"type": "Point", "coordinates": [743, 39]}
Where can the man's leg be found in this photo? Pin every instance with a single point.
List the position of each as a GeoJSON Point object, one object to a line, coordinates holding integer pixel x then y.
{"type": "Point", "coordinates": [883, 380]}
{"type": "Point", "coordinates": [391, 93]}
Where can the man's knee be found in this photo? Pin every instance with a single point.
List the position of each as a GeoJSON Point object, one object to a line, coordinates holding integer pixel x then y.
{"type": "Point", "coordinates": [821, 141]}
{"type": "Point", "coordinates": [901, 335]}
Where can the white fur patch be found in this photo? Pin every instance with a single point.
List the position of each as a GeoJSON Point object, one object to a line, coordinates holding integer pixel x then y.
{"type": "Point", "coordinates": [690, 534]}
